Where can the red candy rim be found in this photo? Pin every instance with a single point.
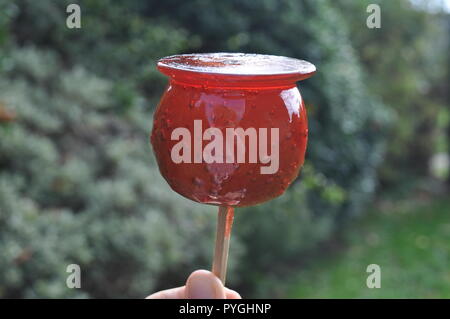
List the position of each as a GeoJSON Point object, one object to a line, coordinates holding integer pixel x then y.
{"type": "Point", "coordinates": [235, 68]}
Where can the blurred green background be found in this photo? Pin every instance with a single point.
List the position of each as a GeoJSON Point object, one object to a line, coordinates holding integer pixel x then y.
{"type": "Point", "coordinates": [79, 183]}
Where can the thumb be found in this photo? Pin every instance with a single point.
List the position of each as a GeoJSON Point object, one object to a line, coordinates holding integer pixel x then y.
{"type": "Point", "coordinates": [203, 284]}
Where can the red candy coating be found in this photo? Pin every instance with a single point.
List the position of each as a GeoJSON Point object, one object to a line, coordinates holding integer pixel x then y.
{"type": "Point", "coordinates": [232, 91]}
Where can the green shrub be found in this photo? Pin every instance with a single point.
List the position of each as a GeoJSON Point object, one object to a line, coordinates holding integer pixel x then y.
{"type": "Point", "coordinates": [79, 184]}
{"type": "Point", "coordinates": [408, 62]}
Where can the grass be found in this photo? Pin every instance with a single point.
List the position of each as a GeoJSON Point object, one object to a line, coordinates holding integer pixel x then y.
{"type": "Point", "coordinates": [411, 244]}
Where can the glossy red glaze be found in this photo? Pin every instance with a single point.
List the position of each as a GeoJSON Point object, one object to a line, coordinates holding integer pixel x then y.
{"type": "Point", "coordinates": [230, 100]}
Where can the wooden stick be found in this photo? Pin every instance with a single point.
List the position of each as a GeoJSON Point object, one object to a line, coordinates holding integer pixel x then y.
{"type": "Point", "coordinates": [224, 223]}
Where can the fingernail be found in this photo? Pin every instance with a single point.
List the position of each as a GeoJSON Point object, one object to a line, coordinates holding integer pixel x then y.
{"type": "Point", "coordinates": [202, 285]}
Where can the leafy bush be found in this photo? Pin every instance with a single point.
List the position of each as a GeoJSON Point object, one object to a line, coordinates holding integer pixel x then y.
{"type": "Point", "coordinates": [407, 60]}
{"type": "Point", "coordinates": [79, 185]}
